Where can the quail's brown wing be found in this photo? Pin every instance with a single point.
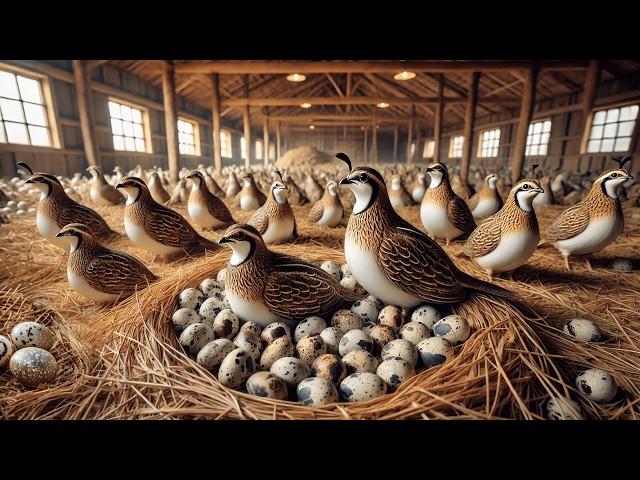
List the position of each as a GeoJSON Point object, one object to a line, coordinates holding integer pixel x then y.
{"type": "Point", "coordinates": [571, 222]}
{"type": "Point", "coordinates": [73, 212]}
{"type": "Point", "coordinates": [170, 228]}
{"type": "Point", "coordinates": [259, 220]}
{"type": "Point", "coordinates": [460, 215]}
{"type": "Point", "coordinates": [116, 272]}
{"type": "Point", "coordinates": [315, 214]}
{"type": "Point", "coordinates": [406, 197]}
{"type": "Point", "coordinates": [219, 210]}
{"type": "Point", "coordinates": [419, 266]}
{"type": "Point", "coordinates": [111, 194]}
{"type": "Point", "coordinates": [484, 239]}
{"type": "Point", "coordinates": [473, 201]}
{"type": "Point", "coordinates": [262, 198]}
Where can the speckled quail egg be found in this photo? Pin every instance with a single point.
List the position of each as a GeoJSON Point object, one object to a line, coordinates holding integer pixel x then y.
{"type": "Point", "coordinates": [426, 314]}
{"type": "Point", "coordinates": [22, 205]}
{"type": "Point", "coordinates": [346, 320]}
{"type": "Point", "coordinates": [355, 340]}
{"type": "Point", "coordinates": [226, 324]}
{"type": "Point", "coordinates": [211, 355]}
{"type": "Point", "coordinates": [32, 334]}
{"type": "Point", "coordinates": [563, 408]}
{"type": "Point", "coordinates": [209, 309]}
{"type": "Point", "coordinates": [310, 347]}
{"type": "Point", "coordinates": [274, 331]}
{"type": "Point", "coordinates": [209, 286]}
{"type": "Point", "coordinates": [225, 301]}
{"type": "Point", "coordinates": [415, 332]}
{"type": "Point", "coordinates": [250, 341]}
{"type": "Point", "coordinates": [316, 391]}
{"type": "Point", "coordinates": [597, 385]}
{"type": "Point", "coordinates": [621, 265]}
{"type": "Point", "coordinates": [267, 385]}
{"type": "Point", "coordinates": [195, 336]}
{"type": "Point", "coordinates": [401, 348]}
{"type": "Point", "coordinates": [329, 366]}
{"type": "Point", "coordinates": [434, 351]}
{"type": "Point", "coordinates": [332, 268]}
{"type": "Point", "coordinates": [345, 269]}
{"type": "Point", "coordinates": [280, 347]}
{"type": "Point", "coordinates": [378, 303]}
{"type": "Point", "coordinates": [251, 326]}
{"type": "Point", "coordinates": [332, 337]}
{"type": "Point", "coordinates": [33, 366]}
{"type": "Point", "coordinates": [309, 326]}
{"type": "Point", "coordinates": [191, 298]}
{"type": "Point", "coordinates": [360, 361]}
{"type": "Point", "coordinates": [184, 317]}
{"type": "Point", "coordinates": [236, 367]}
{"type": "Point", "coordinates": [6, 350]}
{"type": "Point", "coordinates": [290, 369]}
{"type": "Point", "coordinates": [221, 276]}
{"type": "Point", "coordinates": [453, 328]}
{"type": "Point", "coordinates": [366, 310]}
{"type": "Point", "coordinates": [21, 213]}
{"type": "Point", "coordinates": [391, 316]}
{"type": "Point", "coordinates": [381, 335]}
{"type": "Point", "coordinates": [350, 283]}
{"type": "Point", "coordinates": [582, 330]}
{"type": "Point", "coordinates": [359, 387]}
{"type": "Point", "coordinates": [394, 371]}
{"type": "Point", "coordinates": [366, 328]}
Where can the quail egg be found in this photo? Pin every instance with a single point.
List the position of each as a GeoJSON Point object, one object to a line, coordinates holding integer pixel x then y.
{"type": "Point", "coordinates": [391, 316]}
{"type": "Point", "coordinates": [309, 326]}
{"type": "Point", "coordinates": [381, 335]}
{"type": "Point", "coordinates": [310, 348]}
{"type": "Point", "coordinates": [401, 348]}
{"type": "Point", "coordinates": [378, 303]}
{"type": "Point", "coordinates": [360, 361]}
{"type": "Point", "coordinates": [274, 331]}
{"type": "Point", "coordinates": [621, 265]}
{"type": "Point", "coordinates": [267, 385]}
{"type": "Point", "coordinates": [350, 283]}
{"type": "Point", "coordinates": [563, 408]}
{"type": "Point", "coordinates": [184, 317]}
{"type": "Point", "coordinates": [250, 341]}
{"type": "Point", "coordinates": [366, 328]}
{"type": "Point", "coordinates": [236, 367]}
{"type": "Point", "coordinates": [332, 337]}
{"type": "Point", "coordinates": [415, 332]}
{"type": "Point", "coordinates": [453, 328]}
{"type": "Point", "coordinates": [251, 326]}
{"type": "Point", "coordinates": [220, 277]}
{"type": "Point", "coordinates": [426, 314]}
{"type": "Point", "coordinates": [280, 347]}
{"type": "Point", "coordinates": [6, 350]}
{"type": "Point", "coordinates": [316, 391]}
{"type": "Point", "coordinates": [597, 385]}
{"type": "Point", "coordinates": [359, 387]}
{"type": "Point", "coordinates": [394, 371]}
{"type": "Point", "coordinates": [345, 269]}
{"type": "Point", "coordinates": [355, 340]}
{"type": "Point", "coordinates": [209, 309]}
{"type": "Point", "coordinates": [366, 310]}
{"type": "Point", "coordinates": [226, 324]}
{"type": "Point", "coordinates": [33, 366]}
{"type": "Point", "coordinates": [346, 320]}
{"type": "Point", "coordinates": [32, 334]}
{"type": "Point", "coordinates": [329, 366]}
{"type": "Point", "coordinates": [22, 205]}
{"type": "Point", "coordinates": [191, 298]}
{"type": "Point", "coordinates": [290, 369]}
{"type": "Point", "coordinates": [225, 301]}
{"type": "Point", "coordinates": [210, 286]}
{"type": "Point", "coordinates": [434, 351]}
{"type": "Point", "coordinates": [211, 355]}
{"type": "Point", "coordinates": [332, 268]}
{"type": "Point", "coordinates": [195, 336]}
{"type": "Point", "coordinates": [582, 330]}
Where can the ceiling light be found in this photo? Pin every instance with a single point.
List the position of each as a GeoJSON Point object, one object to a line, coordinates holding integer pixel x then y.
{"type": "Point", "coordinates": [312, 127]}
{"type": "Point", "coordinates": [382, 105]}
{"type": "Point", "coordinates": [305, 105]}
{"type": "Point", "coordinates": [296, 77]}
{"type": "Point", "coordinates": [405, 75]}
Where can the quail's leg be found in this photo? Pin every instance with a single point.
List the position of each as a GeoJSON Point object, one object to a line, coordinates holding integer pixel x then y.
{"type": "Point", "coordinates": [447, 241]}
{"type": "Point", "coordinates": [586, 260]}
{"type": "Point", "coordinates": [489, 276]}
{"type": "Point", "coordinates": [566, 263]}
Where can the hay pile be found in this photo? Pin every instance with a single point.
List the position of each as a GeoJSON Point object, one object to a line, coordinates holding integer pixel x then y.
{"type": "Point", "coordinates": [125, 362]}
{"type": "Point", "coordinates": [305, 156]}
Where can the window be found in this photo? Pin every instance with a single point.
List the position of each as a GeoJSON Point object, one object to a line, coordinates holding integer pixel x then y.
{"type": "Point", "coordinates": [412, 149]}
{"type": "Point", "coordinates": [24, 116]}
{"type": "Point", "coordinates": [611, 129]}
{"type": "Point", "coordinates": [243, 147]}
{"type": "Point", "coordinates": [272, 152]}
{"type": "Point", "coordinates": [489, 143]}
{"type": "Point", "coordinates": [225, 144]}
{"type": "Point", "coordinates": [259, 149]}
{"type": "Point", "coordinates": [429, 145]}
{"type": "Point", "coordinates": [188, 137]}
{"type": "Point", "coordinates": [127, 127]}
{"type": "Point", "coordinates": [538, 138]}
{"type": "Point", "coordinates": [455, 146]}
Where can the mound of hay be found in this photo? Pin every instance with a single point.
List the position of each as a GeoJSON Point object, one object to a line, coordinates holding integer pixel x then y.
{"type": "Point", "coordinates": [305, 156]}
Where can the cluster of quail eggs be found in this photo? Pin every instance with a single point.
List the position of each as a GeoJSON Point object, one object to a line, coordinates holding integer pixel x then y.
{"type": "Point", "coordinates": [355, 355]}
{"type": "Point", "coordinates": [17, 209]}
{"type": "Point", "coordinates": [26, 352]}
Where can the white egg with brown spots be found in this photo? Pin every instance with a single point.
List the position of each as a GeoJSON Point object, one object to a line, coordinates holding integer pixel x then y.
{"type": "Point", "coordinates": [313, 325]}
{"type": "Point", "coordinates": [391, 316]}
{"type": "Point", "coordinates": [621, 265]}
{"type": "Point", "coordinates": [582, 330]}
{"type": "Point", "coordinates": [359, 387]}
{"type": "Point", "coordinates": [435, 351]}
{"type": "Point", "coordinates": [453, 328]}
{"type": "Point", "coordinates": [316, 391]}
{"type": "Point", "coordinates": [226, 324]}
{"type": "Point", "coordinates": [6, 350]}
{"type": "Point", "coordinates": [236, 367]}
{"type": "Point", "coordinates": [184, 317]}
{"type": "Point", "coordinates": [213, 353]}
{"type": "Point", "coordinates": [195, 336]}
{"type": "Point", "coordinates": [401, 348]}
{"type": "Point", "coordinates": [310, 347]}
{"type": "Point", "coordinates": [366, 310]}
{"type": "Point", "coordinates": [381, 335]}
{"type": "Point", "coordinates": [415, 332]}
{"type": "Point", "coordinates": [331, 337]}
{"type": "Point", "coordinates": [563, 408]}
{"type": "Point", "coordinates": [32, 334]}
{"type": "Point", "coordinates": [332, 268]}
{"type": "Point", "coordinates": [209, 309]}
{"type": "Point", "coordinates": [360, 361]}
{"type": "Point", "coordinates": [426, 314]}
{"type": "Point", "coordinates": [350, 283]}
{"type": "Point", "coordinates": [355, 340]}
{"type": "Point", "coordinates": [33, 366]}
{"type": "Point", "coordinates": [191, 298]}
{"type": "Point", "coordinates": [279, 348]}
{"type": "Point", "coordinates": [346, 270]}
{"type": "Point", "coordinates": [274, 331]}
{"type": "Point", "coordinates": [251, 342]}
{"type": "Point", "coordinates": [346, 320]}
{"type": "Point", "coordinates": [252, 327]}
{"type": "Point", "coordinates": [378, 303]}
{"type": "Point", "coordinates": [290, 369]}
{"type": "Point", "coordinates": [329, 366]}
{"type": "Point", "coordinates": [394, 371]}
{"type": "Point", "coordinates": [211, 287]}
{"type": "Point", "coordinates": [267, 385]}
{"type": "Point", "coordinates": [597, 385]}
{"type": "Point", "coordinates": [221, 276]}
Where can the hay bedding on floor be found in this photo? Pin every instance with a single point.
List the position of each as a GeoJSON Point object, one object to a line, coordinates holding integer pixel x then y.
{"type": "Point", "coordinates": [124, 362]}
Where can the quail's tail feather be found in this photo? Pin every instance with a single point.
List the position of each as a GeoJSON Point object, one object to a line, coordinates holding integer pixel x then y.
{"type": "Point", "coordinates": [473, 283]}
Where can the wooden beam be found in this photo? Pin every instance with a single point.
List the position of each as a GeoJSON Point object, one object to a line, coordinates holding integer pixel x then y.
{"type": "Point", "coordinates": [265, 138]}
{"type": "Point", "coordinates": [277, 140]}
{"type": "Point", "coordinates": [526, 111]}
{"type": "Point", "coordinates": [246, 121]}
{"type": "Point", "coordinates": [437, 126]}
{"type": "Point", "coordinates": [215, 116]}
{"type": "Point", "coordinates": [360, 100]}
{"type": "Point", "coordinates": [410, 135]}
{"type": "Point", "coordinates": [366, 146]}
{"type": "Point", "coordinates": [395, 143]}
{"type": "Point", "coordinates": [349, 89]}
{"type": "Point", "coordinates": [469, 121]}
{"type": "Point", "coordinates": [171, 118]}
{"type": "Point", "coordinates": [374, 139]}
{"type": "Point", "coordinates": [85, 111]}
{"type": "Point", "coordinates": [588, 101]}
{"type": "Point", "coordinates": [307, 117]}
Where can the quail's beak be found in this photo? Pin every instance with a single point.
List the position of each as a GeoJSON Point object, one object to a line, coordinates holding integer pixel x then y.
{"type": "Point", "coordinates": [28, 180]}
{"type": "Point", "coordinates": [62, 233]}
{"type": "Point", "coordinates": [629, 177]}
{"type": "Point", "coordinates": [224, 240]}
{"type": "Point", "coordinates": [429, 170]}
{"type": "Point", "coordinates": [539, 190]}
{"type": "Point", "coordinates": [345, 181]}
{"type": "Point", "coordinates": [120, 185]}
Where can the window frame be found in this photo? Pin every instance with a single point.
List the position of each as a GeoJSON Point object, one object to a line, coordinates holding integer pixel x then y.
{"type": "Point", "coordinates": [260, 151]}
{"type": "Point", "coordinates": [196, 135]}
{"type": "Point", "coordinates": [451, 146]}
{"type": "Point", "coordinates": [145, 125]}
{"type": "Point", "coordinates": [224, 131]}
{"type": "Point", "coordinates": [586, 137]}
{"type": "Point", "coordinates": [532, 122]}
{"type": "Point", "coordinates": [243, 140]}
{"type": "Point", "coordinates": [480, 140]}
{"type": "Point", "coordinates": [431, 142]}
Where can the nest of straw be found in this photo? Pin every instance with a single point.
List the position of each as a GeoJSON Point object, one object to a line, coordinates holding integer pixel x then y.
{"type": "Point", "coordinates": [124, 361]}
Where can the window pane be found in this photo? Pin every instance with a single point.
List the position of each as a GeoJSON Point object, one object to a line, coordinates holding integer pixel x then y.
{"type": "Point", "coordinates": [129, 144]}
{"type": "Point", "coordinates": [128, 128]}
{"type": "Point", "coordinates": [29, 90]}
{"type": "Point", "coordinates": [594, 146]}
{"type": "Point", "coordinates": [181, 137]}
{"type": "Point", "coordinates": [17, 133]}
{"type": "Point", "coordinates": [35, 114]}
{"type": "Point", "coordinates": [607, 145]}
{"type": "Point", "coordinates": [3, 139]}
{"type": "Point", "coordinates": [596, 132]}
{"type": "Point", "coordinates": [140, 147]}
{"type": "Point", "coordinates": [137, 130]}
{"type": "Point", "coordinates": [118, 142]}
{"type": "Point", "coordinates": [542, 149]}
{"type": "Point", "coordinates": [534, 150]}
{"type": "Point", "coordinates": [11, 110]}
{"type": "Point", "coordinates": [622, 144]}
{"type": "Point", "coordinates": [610, 130]}
{"type": "Point", "coordinates": [136, 115]}
{"type": "Point", "coordinates": [613, 114]}
{"type": "Point", "coordinates": [8, 85]}
{"type": "Point", "coordinates": [39, 136]}
{"type": "Point", "coordinates": [126, 112]}
{"type": "Point", "coordinates": [625, 129]}
{"type": "Point", "coordinates": [116, 126]}
{"type": "Point", "coordinates": [599, 117]}
{"type": "Point", "coordinates": [114, 110]}
{"type": "Point", "coordinates": [629, 113]}
{"type": "Point", "coordinates": [544, 140]}
{"type": "Point", "coordinates": [537, 127]}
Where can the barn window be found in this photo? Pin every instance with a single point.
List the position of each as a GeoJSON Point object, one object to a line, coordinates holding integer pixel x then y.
{"type": "Point", "coordinates": [455, 146]}
{"type": "Point", "coordinates": [128, 127]}
{"type": "Point", "coordinates": [538, 138]}
{"type": "Point", "coordinates": [412, 149]}
{"type": "Point", "coordinates": [429, 146]}
{"type": "Point", "coordinates": [272, 152]}
{"type": "Point", "coordinates": [188, 137]}
{"type": "Point", "coordinates": [259, 149]}
{"type": "Point", "coordinates": [611, 129]}
{"type": "Point", "coordinates": [225, 144]}
{"type": "Point", "coordinates": [24, 116]}
{"type": "Point", "coordinates": [243, 148]}
{"type": "Point", "coordinates": [489, 143]}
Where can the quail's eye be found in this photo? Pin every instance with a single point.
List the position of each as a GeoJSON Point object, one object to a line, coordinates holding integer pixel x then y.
{"type": "Point", "coordinates": [614, 175]}
{"type": "Point", "coordinates": [525, 187]}
{"type": "Point", "coordinates": [363, 177]}
{"type": "Point", "coordinates": [240, 236]}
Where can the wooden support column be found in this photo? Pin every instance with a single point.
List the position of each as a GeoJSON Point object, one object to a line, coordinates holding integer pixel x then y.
{"type": "Point", "coordinates": [526, 111]}
{"type": "Point", "coordinates": [395, 143]}
{"type": "Point", "coordinates": [469, 120]}
{"type": "Point", "coordinates": [409, 158]}
{"type": "Point", "coordinates": [374, 139]}
{"type": "Point", "coordinates": [418, 152]}
{"type": "Point", "coordinates": [437, 127]}
{"type": "Point", "coordinates": [265, 137]}
{"type": "Point", "coordinates": [215, 117]}
{"type": "Point", "coordinates": [366, 146]}
{"type": "Point", "coordinates": [588, 99]}
{"type": "Point", "coordinates": [85, 111]}
{"type": "Point", "coordinates": [246, 121]}
{"type": "Point", "coordinates": [277, 140]}
{"type": "Point", "coordinates": [171, 118]}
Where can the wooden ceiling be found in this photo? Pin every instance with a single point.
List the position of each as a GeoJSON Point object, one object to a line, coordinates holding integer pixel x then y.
{"type": "Point", "coordinates": [500, 87]}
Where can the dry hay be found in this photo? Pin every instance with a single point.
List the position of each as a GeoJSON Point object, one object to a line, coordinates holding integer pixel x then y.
{"type": "Point", "coordinates": [124, 362]}
{"type": "Point", "coordinates": [305, 156]}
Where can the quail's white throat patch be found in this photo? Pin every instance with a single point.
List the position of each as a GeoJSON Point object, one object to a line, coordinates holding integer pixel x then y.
{"type": "Point", "coordinates": [132, 194]}
{"type": "Point", "coordinates": [525, 199]}
{"type": "Point", "coordinates": [611, 186]}
{"type": "Point", "coordinates": [44, 190]}
{"type": "Point", "coordinates": [241, 251]}
{"type": "Point", "coordinates": [363, 192]}
{"type": "Point", "coordinates": [436, 179]}
{"type": "Point", "coordinates": [280, 195]}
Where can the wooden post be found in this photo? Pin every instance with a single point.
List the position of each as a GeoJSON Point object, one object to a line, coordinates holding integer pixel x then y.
{"type": "Point", "coordinates": [418, 152]}
{"type": "Point", "coordinates": [410, 134]}
{"type": "Point", "coordinates": [374, 140]}
{"type": "Point", "coordinates": [588, 98]}
{"type": "Point", "coordinates": [469, 120]}
{"type": "Point", "coordinates": [395, 143]}
{"type": "Point", "coordinates": [277, 140]}
{"type": "Point", "coordinates": [265, 138]}
{"type": "Point", "coordinates": [437, 127]}
{"type": "Point", "coordinates": [246, 120]}
{"type": "Point", "coordinates": [171, 118]}
{"type": "Point", "coordinates": [215, 117]}
{"type": "Point", "coordinates": [526, 110]}
{"type": "Point", "coordinates": [366, 146]}
{"type": "Point", "coordinates": [85, 111]}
